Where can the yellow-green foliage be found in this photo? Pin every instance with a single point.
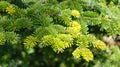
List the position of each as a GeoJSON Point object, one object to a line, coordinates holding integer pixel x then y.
{"type": "Point", "coordinates": [74, 28]}
{"type": "Point", "coordinates": [99, 44]}
{"type": "Point", "coordinates": [67, 39]}
{"type": "Point", "coordinates": [87, 54]}
{"type": "Point", "coordinates": [47, 40]}
{"type": "Point", "coordinates": [85, 41]}
{"type": "Point", "coordinates": [84, 52]}
{"type": "Point", "coordinates": [75, 24]}
{"type": "Point", "coordinates": [58, 43]}
{"type": "Point", "coordinates": [73, 31]}
{"type": "Point", "coordinates": [30, 42]}
{"type": "Point", "coordinates": [75, 13]}
{"type": "Point", "coordinates": [76, 53]}
{"type": "Point", "coordinates": [10, 9]}
{"type": "Point", "coordinates": [82, 41]}
{"type": "Point", "coordinates": [62, 41]}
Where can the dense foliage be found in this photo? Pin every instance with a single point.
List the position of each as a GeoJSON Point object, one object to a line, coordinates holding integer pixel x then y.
{"type": "Point", "coordinates": [57, 33]}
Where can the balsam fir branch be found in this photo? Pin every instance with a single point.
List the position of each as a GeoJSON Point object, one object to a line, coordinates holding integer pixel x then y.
{"type": "Point", "coordinates": [59, 25]}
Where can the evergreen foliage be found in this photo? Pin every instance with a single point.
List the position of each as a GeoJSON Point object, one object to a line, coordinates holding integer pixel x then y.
{"type": "Point", "coordinates": [33, 27]}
